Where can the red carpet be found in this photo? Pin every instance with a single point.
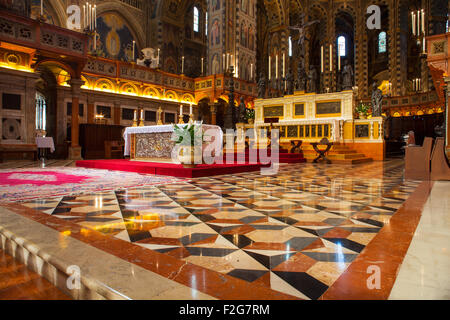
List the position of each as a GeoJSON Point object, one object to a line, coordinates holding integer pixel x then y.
{"type": "Point", "coordinates": [168, 169]}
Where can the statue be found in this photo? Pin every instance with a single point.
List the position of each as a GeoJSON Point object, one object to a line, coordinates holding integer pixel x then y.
{"type": "Point", "coordinates": [289, 82]}
{"type": "Point", "coordinates": [301, 75]}
{"type": "Point", "coordinates": [377, 99]}
{"type": "Point", "coordinates": [242, 111]}
{"type": "Point", "coordinates": [312, 79]}
{"type": "Point", "coordinates": [262, 86]}
{"type": "Point", "coordinates": [302, 29]}
{"type": "Point", "coordinates": [347, 77]}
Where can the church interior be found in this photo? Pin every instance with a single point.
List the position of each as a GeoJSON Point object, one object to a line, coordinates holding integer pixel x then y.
{"type": "Point", "coordinates": [224, 149]}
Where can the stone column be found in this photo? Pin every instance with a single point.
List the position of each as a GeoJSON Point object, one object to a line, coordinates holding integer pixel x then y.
{"type": "Point", "coordinates": [90, 109]}
{"type": "Point", "coordinates": [75, 149]}
{"type": "Point", "coordinates": [213, 109]}
{"type": "Point", "coordinates": [117, 114]}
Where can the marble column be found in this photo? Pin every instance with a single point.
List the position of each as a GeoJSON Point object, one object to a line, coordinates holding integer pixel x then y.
{"type": "Point", "coordinates": [75, 149]}
{"type": "Point", "coordinates": [213, 109]}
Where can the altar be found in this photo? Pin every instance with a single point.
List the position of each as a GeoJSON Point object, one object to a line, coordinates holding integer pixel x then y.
{"type": "Point", "coordinates": [154, 143]}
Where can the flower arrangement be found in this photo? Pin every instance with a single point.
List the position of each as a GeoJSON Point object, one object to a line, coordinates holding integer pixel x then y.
{"type": "Point", "coordinates": [250, 115]}
{"type": "Point", "coordinates": [363, 109]}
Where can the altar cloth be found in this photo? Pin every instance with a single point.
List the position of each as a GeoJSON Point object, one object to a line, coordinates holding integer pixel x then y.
{"type": "Point", "coordinates": [218, 141]}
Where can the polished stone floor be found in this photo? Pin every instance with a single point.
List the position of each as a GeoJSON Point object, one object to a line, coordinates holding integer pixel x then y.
{"type": "Point", "coordinates": [309, 232]}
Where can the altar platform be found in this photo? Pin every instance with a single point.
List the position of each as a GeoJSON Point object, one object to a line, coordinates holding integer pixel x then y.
{"type": "Point", "coordinates": [170, 169]}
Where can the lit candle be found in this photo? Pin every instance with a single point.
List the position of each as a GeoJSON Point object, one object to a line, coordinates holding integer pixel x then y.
{"type": "Point", "coordinates": [413, 16]}
{"type": "Point", "coordinates": [190, 109]}
{"type": "Point", "coordinates": [142, 114]}
{"type": "Point", "coordinates": [134, 48]}
{"type": "Point", "coordinates": [84, 16]}
{"type": "Point", "coordinates": [339, 61]}
{"type": "Point", "coordinates": [423, 21]}
{"type": "Point", "coordinates": [228, 61]}
{"type": "Point", "coordinates": [418, 21]}
{"type": "Point", "coordinates": [42, 7]}
{"type": "Point", "coordinates": [224, 61]}
{"type": "Point", "coordinates": [181, 110]}
{"type": "Point", "coordinates": [424, 45]}
{"type": "Point", "coordinates": [284, 64]}
{"type": "Point", "coordinates": [135, 115]}
{"type": "Point", "coordinates": [90, 16]}
{"type": "Point", "coordinates": [251, 71]}
{"type": "Point", "coordinates": [182, 65]}
{"type": "Point", "coordinates": [158, 55]}
{"type": "Point", "coordinates": [270, 67]}
{"type": "Point", "coordinates": [95, 16]}
{"type": "Point", "coordinates": [202, 66]}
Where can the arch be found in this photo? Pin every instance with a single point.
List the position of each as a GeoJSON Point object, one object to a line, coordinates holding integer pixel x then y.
{"type": "Point", "coordinates": [129, 88]}
{"type": "Point", "coordinates": [55, 63]}
{"type": "Point", "coordinates": [151, 92]}
{"type": "Point", "coordinates": [187, 97]}
{"type": "Point", "coordinates": [105, 85]}
{"type": "Point", "coordinates": [170, 94]}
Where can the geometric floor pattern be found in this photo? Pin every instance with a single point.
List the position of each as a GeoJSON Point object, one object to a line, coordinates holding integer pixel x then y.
{"type": "Point", "coordinates": [295, 232]}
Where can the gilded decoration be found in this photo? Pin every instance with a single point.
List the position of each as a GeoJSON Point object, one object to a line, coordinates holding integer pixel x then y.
{"type": "Point", "coordinates": [154, 145]}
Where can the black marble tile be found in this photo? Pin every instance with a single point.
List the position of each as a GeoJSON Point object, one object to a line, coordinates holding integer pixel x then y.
{"type": "Point", "coordinates": [247, 275]}
{"type": "Point", "coordinates": [303, 282]}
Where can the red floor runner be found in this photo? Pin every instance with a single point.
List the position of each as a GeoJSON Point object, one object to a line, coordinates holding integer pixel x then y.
{"type": "Point", "coordinates": [168, 169]}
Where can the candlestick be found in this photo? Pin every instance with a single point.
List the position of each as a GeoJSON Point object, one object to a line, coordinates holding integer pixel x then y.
{"type": "Point", "coordinates": [135, 120]}
{"type": "Point", "coordinates": [251, 71]}
{"type": "Point", "coordinates": [158, 57]}
{"type": "Point", "coordinates": [224, 63]}
{"type": "Point", "coordinates": [190, 109]}
{"type": "Point", "coordinates": [134, 53]}
{"type": "Point", "coordinates": [413, 17]}
{"type": "Point", "coordinates": [424, 45]}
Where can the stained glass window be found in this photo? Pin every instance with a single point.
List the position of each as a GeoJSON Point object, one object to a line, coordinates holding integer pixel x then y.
{"type": "Point", "coordinates": [342, 46]}
{"type": "Point", "coordinates": [382, 45]}
{"type": "Point", "coordinates": [196, 19]}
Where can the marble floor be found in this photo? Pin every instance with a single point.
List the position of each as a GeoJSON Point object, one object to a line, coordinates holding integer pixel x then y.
{"type": "Point", "coordinates": [309, 232]}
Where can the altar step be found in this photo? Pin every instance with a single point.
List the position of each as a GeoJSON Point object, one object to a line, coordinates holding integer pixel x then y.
{"type": "Point", "coordinates": [284, 157]}
{"type": "Point", "coordinates": [338, 154]}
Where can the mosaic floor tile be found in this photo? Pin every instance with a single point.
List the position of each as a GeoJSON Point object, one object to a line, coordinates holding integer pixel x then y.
{"type": "Point", "coordinates": [296, 232]}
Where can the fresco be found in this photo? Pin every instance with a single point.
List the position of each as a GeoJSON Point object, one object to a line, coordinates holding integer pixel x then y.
{"type": "Point", "coordinates": [115, 40]}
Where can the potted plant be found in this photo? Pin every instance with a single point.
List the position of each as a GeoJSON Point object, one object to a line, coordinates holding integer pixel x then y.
{"type": "Point", "coordinates": [187, 137]}
{"type": "Point", "coordinates": [362, 109]}
{"type": "Point", "coordinates": [250, 115]}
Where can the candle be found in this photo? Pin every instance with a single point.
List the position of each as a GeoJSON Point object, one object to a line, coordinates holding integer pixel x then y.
{"type": "Point", "coordinates": [418, 21]}
{"type": "Point", "coordinates": [284, 64]}
{"type": "Point", "coordinates": [339, 61]}
{"type": "Point", "coordinates": [95, 16]}
{"type": "Point", "coordinates": [42, 7]}
{"type": "Point", "coordinates": [95, 41]}
{"type": "Point", "coordinates": [228, 61]}
{"type": "Point", "coordinates": [190, 109]}
{"type": "Point", "coordinates": [251, 71]}
{"type": "Point", "coordinates": [276, 67]}
{"type": "Point", "coordinates": [181, 110]}
{"type": "Point", "coordinates": [423, 21]}
{"type": "Point", "coordinates": [142, 114]}
{"type": "Point", "coordinates": [202, 66]}
{"type": "Point", "coordinates": [182, 65]}
{"type": "Point", "coordinates": [270, 67]}
{"type": "Point", "coordinates": [90, 16]}
{"type": "Point", "coordinates": [134, 46]}
{"type": "Point", "coordinates": [224, 61]}
{"type": "Point", "coordinates": [321, 59]}
{"type": "Point", "coordinates": [135, 115]}
{"type": "Point", "coordinates": [424, 45]}
{"type": "Point", "coordinates": [158, 56]}
{"type": "Point", "coordinates": [331, 57]}
{"type": "Point", "coordinates": [84, 16]}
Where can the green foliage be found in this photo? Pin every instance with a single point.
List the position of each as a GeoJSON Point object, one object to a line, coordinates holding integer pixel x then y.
{"type": "Point", "coordinates": [189, 135]}
{"type": "Point", "coordinates": [363, 108]}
